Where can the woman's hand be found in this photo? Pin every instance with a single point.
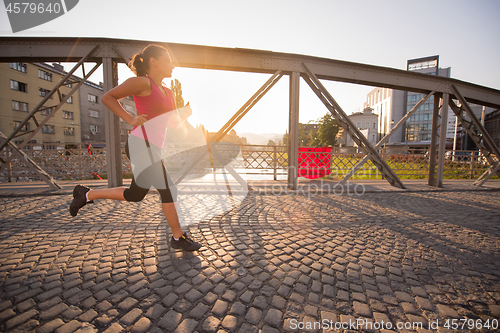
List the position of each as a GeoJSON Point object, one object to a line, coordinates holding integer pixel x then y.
{"type": "Point", "coordinates": [139, 120]}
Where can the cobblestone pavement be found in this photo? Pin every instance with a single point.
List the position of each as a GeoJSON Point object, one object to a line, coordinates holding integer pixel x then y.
{"type": "Point", "coordinates": [273, 264]}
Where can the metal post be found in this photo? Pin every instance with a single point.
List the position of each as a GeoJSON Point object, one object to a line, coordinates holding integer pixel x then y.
{"type": "Point", "coordinates": [275, 162]}
{"type": "Point", "coordinates": [455, 138]}
{"type": "Point", "coordinates": [112, 129]}
{"type": "Point", "coordinates": [472, 156]}
{"type": "Point", "coordinates": [432, 148]}
{"type": "Point", "coordinates": [293, 130]}
{"type": "Point", "coordinates": [442, 140]}
{"type": "Point", "coordinates": [9, 165]}
{"type": "Point", "coordinates": [80, 158]}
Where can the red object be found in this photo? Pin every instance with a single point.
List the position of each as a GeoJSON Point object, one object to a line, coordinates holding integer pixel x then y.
{"type": "Point", "coordinates": [96, 174]}
{"type": "Point", "coordinates": [314, 162]}
{"type": "Point", "coordinates": [88, 149]}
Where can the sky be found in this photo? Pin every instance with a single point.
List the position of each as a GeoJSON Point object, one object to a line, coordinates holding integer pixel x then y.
{"type": "Point", "coordinates": [384, 32]}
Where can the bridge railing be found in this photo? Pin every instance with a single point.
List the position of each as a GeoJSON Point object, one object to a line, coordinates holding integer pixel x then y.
{"type": "Point", "coordinates": [78, 162]}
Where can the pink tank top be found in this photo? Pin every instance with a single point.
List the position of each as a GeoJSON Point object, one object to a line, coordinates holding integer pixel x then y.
{"type": "Point", "coordinates": [154, 105]}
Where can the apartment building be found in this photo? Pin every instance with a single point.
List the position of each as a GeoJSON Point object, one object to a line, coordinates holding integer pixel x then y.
{"type": "Point", "coordinates": [22, 88]}
{"type": "Point", "coordinates": [81, 119]}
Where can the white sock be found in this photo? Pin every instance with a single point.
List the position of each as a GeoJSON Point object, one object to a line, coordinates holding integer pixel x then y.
{"type": "Point", "coordinates": [176, 239]}
{"type": "Point", "coordinates": [87, 196]}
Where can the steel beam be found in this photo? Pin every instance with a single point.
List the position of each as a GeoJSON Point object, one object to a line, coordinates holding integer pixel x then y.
{"type": "Point", "coordinates": [293, 131]}
{"type": "Point", "coordinates": [21, 155]}
{"type": "Point", "coordinates": [32, 49]}
{"type": "Point", "coordinates": [482, 139]}
{"type": "Point", "coordinates": [247, 106]}
{"type": "Point", "coordinates": [442, 140]}
{"type": "Point", "coordinates": [485, 136]}
{"type": "Point", "coordinates": [383, 140]}
{"type": "Point", "coordinates": [229, 125]}
{"type": "Point", "coordinates": [112, 129]}
{"type": "Point", "coordinates": [352, 130]}
{"type": "Point", "coordinates": [434, 137]}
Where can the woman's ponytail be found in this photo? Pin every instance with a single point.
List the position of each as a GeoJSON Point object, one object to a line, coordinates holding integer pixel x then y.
{"type": "Point", "coordinates": [140, 61]}
{"type": "Point", "coordinates": [137, 65]}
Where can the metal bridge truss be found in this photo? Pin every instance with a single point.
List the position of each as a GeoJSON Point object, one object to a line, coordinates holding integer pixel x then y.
{"type": "Point", "coordinates": [312, 69]}
{"type": "Point", "coordinates": [481, 138]}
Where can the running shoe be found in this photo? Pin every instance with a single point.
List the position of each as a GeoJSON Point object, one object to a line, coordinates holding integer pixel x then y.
{"type": "Point", "coordinates": [79, 199]}
{"type": "Point", "coordinates": [185, 243]}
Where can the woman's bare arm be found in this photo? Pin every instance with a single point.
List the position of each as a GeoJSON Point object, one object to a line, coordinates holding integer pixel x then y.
{"type": "Point", "coordinates": [132, 86]}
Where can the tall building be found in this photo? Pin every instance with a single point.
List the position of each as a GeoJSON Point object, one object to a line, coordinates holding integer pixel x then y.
{"type": "Point", "coordinates": [392, 105]}
{"type": "Point", "coordinates": [388, 105]}
{"type": "Point", "coordinates": [419, 127]}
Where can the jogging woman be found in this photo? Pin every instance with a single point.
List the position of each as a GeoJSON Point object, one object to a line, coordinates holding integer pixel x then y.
{"type": "Point", "coordinates": [152, 99]}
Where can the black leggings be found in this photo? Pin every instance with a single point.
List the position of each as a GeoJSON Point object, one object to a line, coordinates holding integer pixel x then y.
{"type": "Point", "coordinates": [136, 193]}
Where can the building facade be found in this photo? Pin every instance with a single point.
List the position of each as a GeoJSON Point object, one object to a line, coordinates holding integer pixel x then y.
{"type": "Point", "coordinates": [367, 122]}
{"type": "Point", "coordinates": [388, 105]}
{"type": "Point", "coordinates": [492, 126]}
{"type": "Point", "coordinates": [81, 119]}
{"type": "Point", "coordinates": [392, 105]}
{"type": "Point", "coordinates": [92, 113]}
{"type": "Point", "coordinates": [22, 88]}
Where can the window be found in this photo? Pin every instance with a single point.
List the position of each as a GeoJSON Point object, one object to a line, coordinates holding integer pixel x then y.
{"type": "Point", "coordinates": [358, 125]}
{"type": "Point", "coordinates": [92, 98]}
{"type": "Point", "coordinates": [48, 129]}
{"type": "Point", "coordinates": [70, 99]}
{"type": "Point", "coordinates": [367, 124]}
{"type": "Point", "coordinates": [427, 116]}
{"type": "Point", "coordinates": [95, 129]}
{"type": "Point", "coordinates": [18, 66]}
{"type": "Point", "coordinates": [69, 131]}
{"type": "Point", "coordinates": [46, 111]}
{"type": "Point", "coordinates": [374, 125]}
{"type": "Point", "coordinates": [67, 115]}
{"type": "Point", "coordinates": [44, 92]}
{"type": "Point", "coordinates": [16, 85]}
{"type": "Point", "coordinates": [94, 114]}
{"type": "Point", "coordinates": [125, 131]}
{"type": "Point", "coordinates": [19, 106]}
{"type": "Point", "coordinates": [25, 128]}
{"type": "Point", "coordinates": [44, 75]}
{"type": "Point", "coordinates": [373, 138]}
{"type": "Point", "coordinates": [424, 137]}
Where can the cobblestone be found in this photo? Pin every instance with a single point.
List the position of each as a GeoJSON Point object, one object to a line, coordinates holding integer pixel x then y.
{"type": "Point", "coordinates": [403, 256]}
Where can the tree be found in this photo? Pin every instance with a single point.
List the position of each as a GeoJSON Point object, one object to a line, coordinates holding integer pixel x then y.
{"type": "Point", "coordinates": [176, 88]}
{"type": "Point", "coordinates": [327, 131]}
{"type": "Point", "coordinates": [271, 143]}
{"type": "Point", "coordinates": [325, 135]}
{"type": "Point", "coordinates": [285, 138]}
